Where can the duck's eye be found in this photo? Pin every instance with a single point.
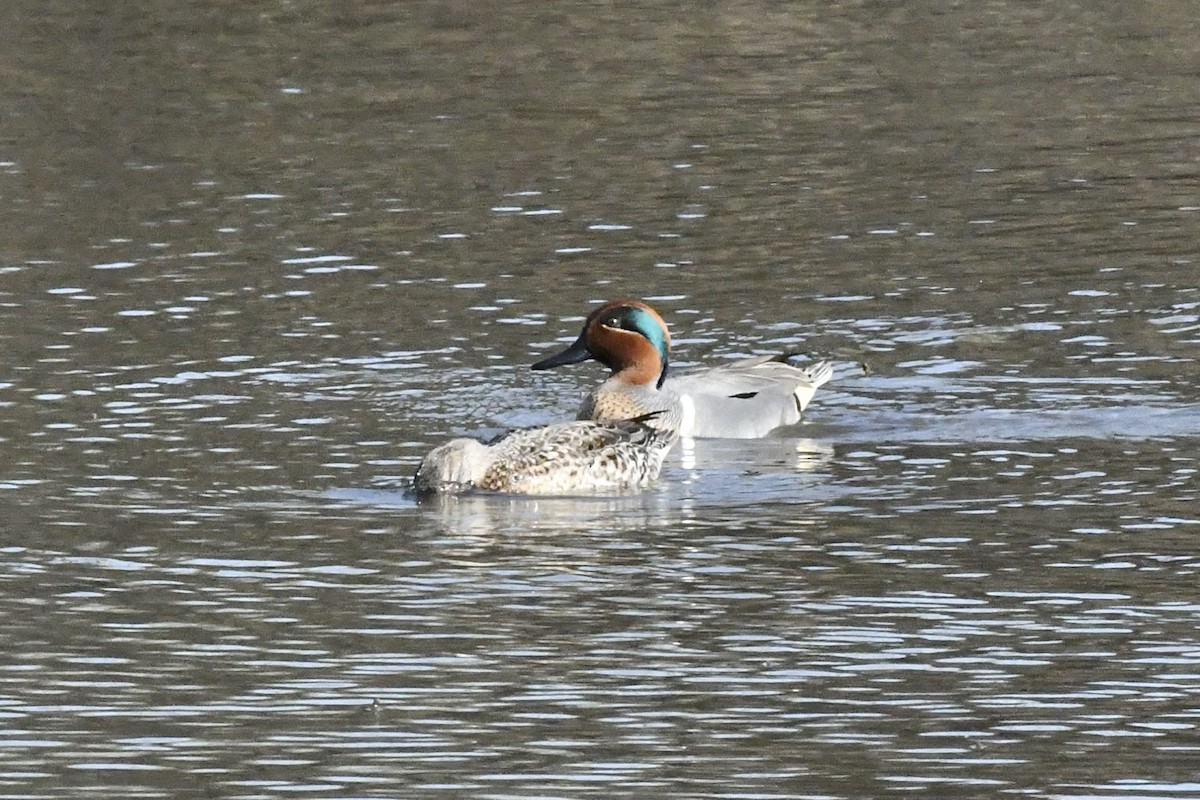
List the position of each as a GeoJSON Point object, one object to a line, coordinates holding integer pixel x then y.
{"type": "Point", "coordinates": [612, 322]}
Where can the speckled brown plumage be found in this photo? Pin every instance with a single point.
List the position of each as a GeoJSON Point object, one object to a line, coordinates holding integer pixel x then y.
{"type": "Point", "coordinates": [583, 457]}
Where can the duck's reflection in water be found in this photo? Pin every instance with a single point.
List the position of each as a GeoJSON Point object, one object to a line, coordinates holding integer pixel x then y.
{"type": "Point", "coordinates": [698, 456]}
{"type": "Point", "coordinates": [490, 515]}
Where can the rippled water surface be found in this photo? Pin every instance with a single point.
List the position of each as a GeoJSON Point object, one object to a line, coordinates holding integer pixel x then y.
{"type": "Point", "coordinates": [256, 260]}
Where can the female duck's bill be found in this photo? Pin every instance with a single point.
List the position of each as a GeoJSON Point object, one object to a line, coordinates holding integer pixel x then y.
{"type": "Point", "coordinates": [582, 457]}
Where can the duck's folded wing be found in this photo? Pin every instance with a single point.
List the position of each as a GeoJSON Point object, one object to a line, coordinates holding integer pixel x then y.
{"type": "Point", "coordinates": [747, 399]}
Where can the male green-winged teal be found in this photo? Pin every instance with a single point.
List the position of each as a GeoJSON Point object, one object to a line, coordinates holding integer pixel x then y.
{"type": "Point", "coordinates": [742, 400]}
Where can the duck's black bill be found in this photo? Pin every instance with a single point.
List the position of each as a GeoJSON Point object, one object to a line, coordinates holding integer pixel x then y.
{"type": "Point", "coordinates": [572, 355]}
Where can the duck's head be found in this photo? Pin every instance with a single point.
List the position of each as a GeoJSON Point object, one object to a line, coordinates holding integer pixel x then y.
{"type": "Point", "coordinates": [627, 336]}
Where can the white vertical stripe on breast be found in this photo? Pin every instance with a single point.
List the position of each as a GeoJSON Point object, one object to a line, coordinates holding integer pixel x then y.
{"type": "Point", "coordinates": [687, 422]}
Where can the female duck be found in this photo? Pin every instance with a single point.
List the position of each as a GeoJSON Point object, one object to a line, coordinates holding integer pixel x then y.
{"type": "Point", "coordinates": [565, 458]}
{"type": "Point", "coordinates": [743, 400]}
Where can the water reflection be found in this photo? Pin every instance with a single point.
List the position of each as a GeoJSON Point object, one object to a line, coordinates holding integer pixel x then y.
{"type": "Point", "coordinates": [484, 516]}
{"type": "Point", "coordinates": [722, 641]}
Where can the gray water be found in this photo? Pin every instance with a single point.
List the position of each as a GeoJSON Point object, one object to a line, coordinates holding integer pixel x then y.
{"type": "Point", "coordinates": [256, 259]}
